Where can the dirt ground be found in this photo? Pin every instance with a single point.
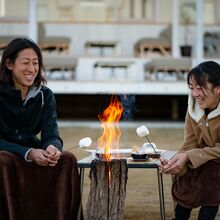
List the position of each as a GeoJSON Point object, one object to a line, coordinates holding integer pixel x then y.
{"type": "Point", "coordinates": [142, 198]}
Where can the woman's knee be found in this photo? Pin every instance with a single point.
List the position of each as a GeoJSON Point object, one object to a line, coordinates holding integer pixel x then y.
{"type": "Point", "coordinates": [68, 156]}
{"type": "Point", "coordinates": [6, 158]}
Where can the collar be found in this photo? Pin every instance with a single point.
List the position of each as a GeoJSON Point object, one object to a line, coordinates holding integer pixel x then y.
{"type": "Point", "coordinates": [197, 113]}
{"type": "Point", "coordinates": [33, 91]}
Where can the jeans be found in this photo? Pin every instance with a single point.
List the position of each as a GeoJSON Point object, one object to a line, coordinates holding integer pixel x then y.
{"type": "Point", "coordinates": [205, 212]}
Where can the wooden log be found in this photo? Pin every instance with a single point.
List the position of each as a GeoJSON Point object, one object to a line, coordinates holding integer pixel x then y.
{"type": "Point", "coordinates": [107, 192]}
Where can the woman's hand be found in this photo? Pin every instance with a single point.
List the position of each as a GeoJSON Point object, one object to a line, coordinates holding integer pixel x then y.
{"type": "Point", "coordinates": [39, 156]}
{"type": "Point", "coordinates": [175, 165]}
{"type": "Point", "coordinates": [54, 155]}
{"type": "Point", "coordinates": [48, 157]}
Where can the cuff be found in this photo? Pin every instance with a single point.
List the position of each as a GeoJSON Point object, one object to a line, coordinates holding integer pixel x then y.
{"type": "Point", "coordinates": [26, 155]}
{"type": "Point", "coordinates": [182, 172]}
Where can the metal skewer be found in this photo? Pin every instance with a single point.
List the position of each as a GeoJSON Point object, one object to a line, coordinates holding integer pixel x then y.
{"type": "Point", "coordinates": [154, 149]}
{"type": "Point", "coordinates": [71, 148]}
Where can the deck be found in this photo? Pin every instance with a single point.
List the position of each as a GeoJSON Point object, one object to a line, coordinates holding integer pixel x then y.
{"type": "Point", "coordinates": [119, 87]}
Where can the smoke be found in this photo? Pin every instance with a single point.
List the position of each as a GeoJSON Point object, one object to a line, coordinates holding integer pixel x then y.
{"type": "Point", "coordinates": [128, 102]}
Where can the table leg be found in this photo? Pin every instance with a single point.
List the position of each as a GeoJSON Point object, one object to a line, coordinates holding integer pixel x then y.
{"type": "Point", "coordinates": [174, 203]}
{"type": "Point", "coordinates": [81, 174]}
{"type": "Point", "coordinates": [161, 195]}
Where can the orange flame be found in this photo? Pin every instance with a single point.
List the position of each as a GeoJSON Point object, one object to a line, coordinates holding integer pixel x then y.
{"type": "Point", "coordinates": [110, 127]}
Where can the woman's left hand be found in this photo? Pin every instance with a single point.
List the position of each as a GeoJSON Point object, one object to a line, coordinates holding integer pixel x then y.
{"type": "Point", "coordinates": [175, 165]}
{"type": "Point", "coordinates": [54, 155]}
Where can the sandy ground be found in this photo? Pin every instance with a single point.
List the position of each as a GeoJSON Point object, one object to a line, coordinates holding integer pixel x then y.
{"type": "Point", "coordinates": [142, 199]}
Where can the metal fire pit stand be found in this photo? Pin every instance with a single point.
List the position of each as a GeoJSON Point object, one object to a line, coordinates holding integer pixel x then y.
{"type": "Point", "coordinates": [86, 163]}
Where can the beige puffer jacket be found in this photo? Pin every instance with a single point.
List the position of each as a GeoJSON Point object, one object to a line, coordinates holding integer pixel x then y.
{"type": "Point", "coordinates": [201, 135]}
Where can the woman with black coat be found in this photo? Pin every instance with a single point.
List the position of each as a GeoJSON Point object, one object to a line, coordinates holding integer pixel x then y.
{"type": "Point", "coordinates": [37, 181]}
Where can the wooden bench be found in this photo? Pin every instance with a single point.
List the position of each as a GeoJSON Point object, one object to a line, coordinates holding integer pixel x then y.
{"type": "Point", "coordinates": [176, 66]}
{"type": "Point", "coordinates": [51, 43]}
{"type": "Point", "coordinates": [63, 65]}
{"type": "Point", "coordinates": [149, 45]}
{"type": "Point", "coordinates": [112, 66]}
{"type": "Point", "coordinates": [101, 46]}
{"type": "Point", "coordinates": [4, 40]}
{"type": "Point", "coordinates": [154, 46]}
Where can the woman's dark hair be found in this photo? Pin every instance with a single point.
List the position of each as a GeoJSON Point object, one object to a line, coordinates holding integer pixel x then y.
{"type": "Point", "coordinates": [208, 71]}
{"type": "Point", "coordinates": [11, 53]}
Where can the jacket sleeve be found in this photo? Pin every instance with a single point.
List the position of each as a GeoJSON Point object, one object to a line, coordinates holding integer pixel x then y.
{"type": "Point", "coordinates": [13, 148]}
{"type": "Point", "coordinates": [197, 154]}
{"type": "Point", "coordinates": [200, 156]}
{"type": "Point", "coordinates": [49, 128]}
{"type": "Point", "coordinates": [190, 142]}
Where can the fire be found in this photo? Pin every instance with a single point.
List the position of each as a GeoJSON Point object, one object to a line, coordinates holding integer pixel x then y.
{"type": "Point", "coordinates": [110, 127]}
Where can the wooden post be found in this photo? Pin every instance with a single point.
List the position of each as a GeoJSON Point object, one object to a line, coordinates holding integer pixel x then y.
{"type": "Point", "coordinates": [107, 190]}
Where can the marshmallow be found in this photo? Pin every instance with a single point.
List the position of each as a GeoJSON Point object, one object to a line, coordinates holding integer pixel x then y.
{"type": "Point", "coordinates": [85, 142]}
{"type": "Point", "coordinates": [142, 131]}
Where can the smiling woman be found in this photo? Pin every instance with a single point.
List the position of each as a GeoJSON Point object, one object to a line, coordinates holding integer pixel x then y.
{"type": "Point", "coordinates": [24, 70]}
{"type": "Point", "coordinates": [197, 164]}
{"type": "Point", "coordinates": [27, 108]}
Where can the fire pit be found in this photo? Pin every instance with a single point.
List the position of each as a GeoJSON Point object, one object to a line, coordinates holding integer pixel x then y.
{"type": "Point", "coordinates": [108, 176]}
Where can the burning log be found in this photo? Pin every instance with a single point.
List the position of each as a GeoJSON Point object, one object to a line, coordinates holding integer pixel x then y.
{"type": "Point", "coordinates": [107, 189]}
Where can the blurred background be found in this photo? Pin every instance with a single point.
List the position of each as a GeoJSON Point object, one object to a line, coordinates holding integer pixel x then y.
{"type": "Point", "coordinates": [140, 50]}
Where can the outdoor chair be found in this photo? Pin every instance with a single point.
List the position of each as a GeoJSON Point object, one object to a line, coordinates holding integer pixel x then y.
{"type": "Point", "coordinates": [4, 40]}
{"type": "Point", "coordinates": [160, 44]}
{"type": "Point", "coordinates": [51, 43]}
{"type": "Point", "coordinates": [167, 68]}
{"type": "Point", "coordinates": [60, 67]}
{"type": "Point", "coordinates": [212, 44]}
{"type": "Point", "coordinates": [101, 48]}
{"type": "Point", "coordinates": [111, 69]}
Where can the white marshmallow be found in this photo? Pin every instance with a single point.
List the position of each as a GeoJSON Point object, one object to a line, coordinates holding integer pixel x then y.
{"type": "Point", "coordinates": [85, 142]}
{"type": "Point", "coordinates": [142, 131]}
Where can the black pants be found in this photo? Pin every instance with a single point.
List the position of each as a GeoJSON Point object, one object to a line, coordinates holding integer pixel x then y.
{"type": "Point", "coordinates": [205, 213]}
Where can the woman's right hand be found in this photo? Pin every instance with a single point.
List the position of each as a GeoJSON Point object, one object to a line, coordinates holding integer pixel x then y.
{"type": "Point", "coordinates": [176, 165]}
{"type": "Point", "coordinates": [39, 156]}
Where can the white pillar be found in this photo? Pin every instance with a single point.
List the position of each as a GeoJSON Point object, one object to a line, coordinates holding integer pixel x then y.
{"type": "Point", "coordinates": [2, 8]}
{"type": "Point", "coordinates": [137, 9]}
{"type": "Point", "coordinates": [199, 54]}
{"type": "Point", "coordinates": [126, 7]}
{"type": "Point", "coordinates": [175, 27]}
{"type": "Point", "coordinates": [157, 10]}
{"type": "Point", "coordinates": [116, 10]}
{"type": "Point", "coordinates": [32, 21]}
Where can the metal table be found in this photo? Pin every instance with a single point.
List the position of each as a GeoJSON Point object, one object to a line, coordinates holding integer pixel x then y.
{"type": "Point", "coordinates": [153, 164]}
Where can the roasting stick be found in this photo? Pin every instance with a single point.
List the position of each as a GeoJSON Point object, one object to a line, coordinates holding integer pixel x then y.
{"type": "Point", "coordinates": [154, 150]}
{"type": "Point", "coordinates": [142, 131]}
{"type": "Point", "coordinates": [84, 142]}
{"type": "Point", "coordinates": [71, 148]}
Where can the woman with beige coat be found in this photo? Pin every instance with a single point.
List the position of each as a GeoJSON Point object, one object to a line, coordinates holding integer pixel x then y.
{"type": "Point", "coordinates": [196, 166]}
